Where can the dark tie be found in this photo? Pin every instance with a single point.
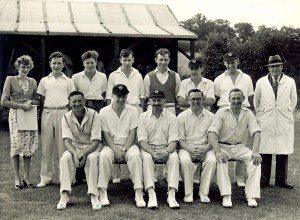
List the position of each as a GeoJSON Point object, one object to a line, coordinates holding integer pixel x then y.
{"type": "Point", "coordinates": [275, 86]}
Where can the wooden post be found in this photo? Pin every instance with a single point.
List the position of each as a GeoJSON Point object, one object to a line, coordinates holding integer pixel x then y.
{"type": "Point", "coordinates": [1, 62]}
{"type": "Point", "coordinates": [43, 55]}
{"type": "Point", "coordinates": [192, 49]}
{"type": "Point", "coordinates": [117, 48]}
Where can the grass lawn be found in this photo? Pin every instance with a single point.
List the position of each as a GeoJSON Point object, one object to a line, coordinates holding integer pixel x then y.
{"type": "Point", "coordinates": [275, 203]}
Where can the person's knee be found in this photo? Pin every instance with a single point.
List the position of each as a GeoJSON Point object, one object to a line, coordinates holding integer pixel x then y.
{"type": "Point", "coordinates": [147, 157]}
{"type": "Point", "coordinates": [185, 161]}
{"type": "Point", "coordinates": [66, 157]}
{"type": "Point", "coordinates": [174, 157]}
{"type": "Point", "coordinates": [92, 157]}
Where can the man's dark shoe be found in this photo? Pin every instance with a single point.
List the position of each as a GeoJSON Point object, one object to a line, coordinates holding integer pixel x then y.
{"type": "Point", "coordinates": [264, 185]}
{"type": "Point", "coordinates": [285, 186]}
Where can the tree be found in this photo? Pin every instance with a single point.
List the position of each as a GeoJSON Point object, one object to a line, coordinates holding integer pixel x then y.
{"type": "Point", "coordinates": [244, 31]}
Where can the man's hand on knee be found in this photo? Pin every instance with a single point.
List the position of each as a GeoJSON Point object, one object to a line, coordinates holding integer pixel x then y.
{"type": "Point", "coordinates": [256, 158]}
{"type": "Point", "coordinates": [221, 157]}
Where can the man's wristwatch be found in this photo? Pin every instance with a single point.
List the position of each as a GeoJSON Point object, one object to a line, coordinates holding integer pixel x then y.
{"type": "Point", "coordinates": [168, 152]}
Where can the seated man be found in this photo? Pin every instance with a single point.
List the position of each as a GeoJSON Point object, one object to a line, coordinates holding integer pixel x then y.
{"type": "Point", "coordinates": [119, 123]}
{"type": "Point", "coordinates": [194, 146]}
{"type": "Point", "coordinates": [81, 133]}
{"type": "Point", "coordinates": [158, 136]}
{"type": "Point", "coordinates": [226, 134]}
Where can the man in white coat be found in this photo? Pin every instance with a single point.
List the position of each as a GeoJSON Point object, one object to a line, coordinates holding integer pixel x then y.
{"type": "Point", "coordinates": [275, 100]}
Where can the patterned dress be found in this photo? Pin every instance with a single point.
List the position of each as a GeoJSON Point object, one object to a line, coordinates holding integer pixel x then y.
{"type": "Point", "coordinates": [23, 143]}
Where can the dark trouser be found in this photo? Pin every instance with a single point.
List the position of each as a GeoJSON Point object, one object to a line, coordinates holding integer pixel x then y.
{"type": "Point", "coordinates": [96, 105]}
{"type": "Point", "coordinates": [281, 169]}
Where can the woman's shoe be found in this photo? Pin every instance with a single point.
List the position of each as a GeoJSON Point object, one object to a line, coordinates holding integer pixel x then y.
{"type": "Point", "coordinates": [18, 187]}
{"type": "Point", "coordinates": [30, 185]}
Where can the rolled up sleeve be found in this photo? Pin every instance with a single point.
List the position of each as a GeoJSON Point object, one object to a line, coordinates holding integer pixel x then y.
{"type": "Point", "coordinates": [66, 130]}
{"type": "Point", "coordinates": [173, 131]}
{"type": "Point", "coordinates": [96, 128]}
{"type": "Point", "coordinates": [142, 130]}
{"type": "Point", "coordinates": [216, 123]}
{"type": "Point", "coordinates": [252, 124]}
{"type": "Point", "coordinates": [181, 127]}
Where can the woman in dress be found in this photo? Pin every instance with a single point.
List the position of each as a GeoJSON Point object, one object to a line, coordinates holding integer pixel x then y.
{"type": "Point", "coordinates": [19, 92]}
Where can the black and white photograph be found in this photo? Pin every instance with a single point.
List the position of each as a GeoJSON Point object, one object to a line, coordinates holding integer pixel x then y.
{"type": "Point", "coordinates": [149, 109]}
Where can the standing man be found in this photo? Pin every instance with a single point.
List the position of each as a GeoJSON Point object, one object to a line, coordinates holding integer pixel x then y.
{"type": "Point", "coordinates": [275, 100]}
{"type": "Point", "coordinates": [226, 134]}
{"type": "Point", "coordinates": [224, 83]}
{"type": "Point", "coordinates": [91, 82]}
{"type": "Point", "coordinates": [81, 133]}
{"type": "Point", "coordinates": [54, 90]}
{"type": "Point", "coordinates": [133, 80]}
{"type": "Point", "coordinates": [196, 81]}
{"type": "Point", "coordinates": [163, 79]}
{"type": "Point", "coordinates": [158, 136]}
{"type": "Point", "coordinates": [119, 124]}
{"type": "Point", "coordinates": [194, 146]}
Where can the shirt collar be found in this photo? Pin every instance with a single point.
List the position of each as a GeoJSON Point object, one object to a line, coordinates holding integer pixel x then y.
{"type": "Point", "coordinates": [163, 114]}
{"type": "Point", "coordinates": [238, 70]}
{"type": "Point", "coordinates": [123, 112]}
{"type": "Point", "coordinates": [204, 80]}
{"type": "Point", "coordinates": [156, 71]}
{"type": "Point", "coordinates": [62, 76]}
{"type": "Point", "coordinates": [203, 113]}
{"type": "Point", "coordinates": [278, 79]}
{"type": "Point", "coordinates": [84, 120]}
{"type": "Point", "coordinates": [133, 72]}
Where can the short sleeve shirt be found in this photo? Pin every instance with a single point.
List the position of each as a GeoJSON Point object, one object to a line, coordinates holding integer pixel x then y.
{"type": "Point", "coordinates": [206, 86]}
{"type": "Point", "coordinates": [118, 127]}
{"type": "Point", "coordinates": [192, 128]}
{"type": "Point", "coordinates": [223, 85]}
{"type": "Point", "coordinates": [157, 131]}
{"type": "Point", "coordinates": [91, 89]}
{"type": "Point", "coordinates": [134, 84]}
{"type": "Point", "coordinates": [84, 133]}
{"type": "Point", "coordinates": [229, 129]}
{"type": "Point", "coordinates": [55, 90]}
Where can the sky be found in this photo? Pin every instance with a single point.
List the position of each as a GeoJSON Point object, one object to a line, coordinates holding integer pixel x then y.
{"type": "Point", "coordinates": [272, 13]}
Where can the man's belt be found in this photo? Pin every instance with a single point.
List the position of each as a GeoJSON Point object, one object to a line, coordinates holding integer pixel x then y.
{"type": "Point", "coordinates": [167, 105]}
{"type": "Point", "coordinates": [227, 143]}
{"type": "Point", "coordinates": [55, 108]}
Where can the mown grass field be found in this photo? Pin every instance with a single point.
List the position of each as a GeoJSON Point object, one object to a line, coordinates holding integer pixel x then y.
{"type": "Point", "coordinates": [41, 203]}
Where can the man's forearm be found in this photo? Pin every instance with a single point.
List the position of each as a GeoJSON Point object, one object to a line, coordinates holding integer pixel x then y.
{"type": "Point", "coordinates": [183, 145]}
{"type": "Point", "coordinates": [146, 147]}
{"type": "Point", "coordinates": [172, 146]}
{"type": "Point", "coordinates": [130, 139]}
{"type": "Point", "coordinates": [93, 146]}
{"type": "Point", "coordinates": [256, 142]}
{"type": "Point", "coordinates": [214, 141]}
{"type": "Point", "coordinates": [69, 146]}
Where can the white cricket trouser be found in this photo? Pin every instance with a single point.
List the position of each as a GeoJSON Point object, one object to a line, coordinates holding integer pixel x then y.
{"type": "Point", "coordinates": [172, 165]}
{"type": "Point", "coordinates": [68, 168]}
{"type": "Point", "coordinates": [51, 136]}
{"type": "Point", "coordinates": [240, 153]}
{"type": "Point", "coordinates": [134, 163]}
{"type": "Point", "coordinates": [188, 169]}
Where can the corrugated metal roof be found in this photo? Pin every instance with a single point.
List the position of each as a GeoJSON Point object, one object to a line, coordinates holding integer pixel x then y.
{"type": "Point", "coordinates": [89, 18]}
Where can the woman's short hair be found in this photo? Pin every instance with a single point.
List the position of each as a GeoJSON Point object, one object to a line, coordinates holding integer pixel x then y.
{"type": "Point", "coordinates": [25, 60]}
